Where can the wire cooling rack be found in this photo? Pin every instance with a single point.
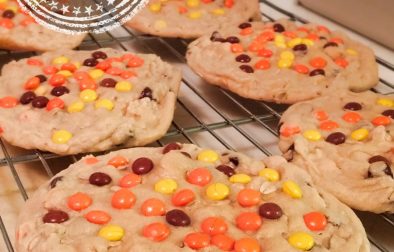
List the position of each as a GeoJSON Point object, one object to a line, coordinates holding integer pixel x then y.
{"type": "Point", "coordinates": [205, 115]}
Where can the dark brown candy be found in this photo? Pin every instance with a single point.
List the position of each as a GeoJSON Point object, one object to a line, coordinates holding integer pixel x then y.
{"type": "Point", "coordinates": [27, 97]}
{"type": "Point", "coordinates": [99, 179]}
{"type": "Point", "coordinates": [142, 166]}
{"type": "Point", "coordinates": [54, 181]}
{"type": "Point", "coordinates": [8, 14]}
{"type": "Point", "coordinates": [243, 58]}
{"type": "Point", "coordinates": [279, 28]}
{"type": "Point", "coordinates": [40, 102]}
{"type": "Point", "coordinates": [389, 113]}
{"type": "Point", "coordinates": [108, 82]}
{"type": "Point", "coordinates": [352, 106]}
{"type": "Point", "coordinates": [336, 138]}
{"type": "Point", "coordinates": [215, 37]}
{"type": "Point", "coordinates": [270, 211]}
{"type": "Point", "coordinates": [99, 55]}
{"type": "Point", "coordinates": [378, 158]}
{"type": "Point", "coordinates": [227, 170]}
{"type": "Point", "coordinates": [147, 92]}
{"type": "Point", "coordinates": [55, 216]}
{"type": "Point", "coordinates": [177, 218]}
{"type": "Point", "coordinates": [41, 77]}
{"type": "Point", "coordinates": [232, 40]}
{"type": "Point", "coordinates": [59, 91]}
{"type": "Point", "coordinates": [246, 68]}
{"type": "Point", "coordinates": [171, 146]}
{"type": "Point", "coordinates": [300, 47]}
{"type": "Point", "coordinates": [91, 62]}
{"type": "Point", "coordinates": [317, 72]}
{"type": "Point", "coordinates": [245, 25]}
{"type": "Point", "coordinates": [330, 44]}
{"type": "Point", "coordinates": [379, 168]}
{"type": "Point", "coordinates": [234, 161]}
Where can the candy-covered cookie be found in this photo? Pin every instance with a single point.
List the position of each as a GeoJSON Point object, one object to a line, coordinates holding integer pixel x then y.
{"type": "Point", "coordinates": [345, 141]}
{"type": "Point", "coordinates": [192, 18]}
{"type": "Point", "coordinates": [19, 31]}
{"type": "Point", "coordinates": [282, 62]}
{"type": "Point", "coordinates": [183, 198]}
{"type": "Point", "coordinates": [79, 101]}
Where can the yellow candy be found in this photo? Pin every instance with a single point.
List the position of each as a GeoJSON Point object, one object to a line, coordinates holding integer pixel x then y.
{"type": "Point", "coordinates": [312, 135]}
{"type": "Point", "coordinates": [279, 38]}
{"type": "Point", "coordinates": [75, 107]}
{"type": "Point", "coordinates": [3, 1]}
{"type": "Point", "coordinates": [65, 73]}
{"type": "Point", "coordinates": [61, 136]}
{"type": "Point", "coordinates": [77, 64]}
{"type": "Point", "coordinates": [351, 52]}
{"type": "Point", "coordinates": [301, 240]}
{"type": "Point", "coordinates": [104, 103]}
{"type": "Point", "coordinates": [287, 55]}
{"type": "Point", "coordinates": [292, 43]}
{"type": "Point", "coordinates": [285, 63]}
{"type": "Point", "coordinates": [360, 134]}
{"type": "Point", "coordinates": [292, 189]}
{"type": "Point", "coordinates": [308, 42]}
{"type": "Point", "coordinates": [155, 7]}
{"type": "Point", "coordinates": [123, 86]}
{"type": "Point", "coordinates": [240, 178]}
{"type": "Point", "coordinates": [96, 73]}
{"type": "Point", "coordinates": [208, 156]}
{"type": "Point", "coordinates": [385, 102]}
{"type": "Point", "coordinates": [218, 11]}
{"type": "Point", "coordinates": [41, 90]}
{"type": "Point", "coordinates": [217, 191]}
{"type": "Point", "coordinates": [166, 186]}
{"type": "Point", "coordinates": [194, 14]}
{"type": "Point", "coordinates": [88, 95]}
{"type": "Point", "coordinates": [60, 60]}
{"type": "Point", "coordinates": [160, 24]}
{"type": "Point", "coordinates": [111, 232]}
{"type": "Point", "coordinates": [270, 174]}
{"type": "Point", "coordinates": [193, 3]}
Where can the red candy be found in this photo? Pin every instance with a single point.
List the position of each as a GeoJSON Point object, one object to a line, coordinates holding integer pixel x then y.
{"type": "Point", "coordinates": [262, 65]}
{"type": "Point", "coordinates": [197, 240]}
{"type": "Point", "coordinates": [79, 201]}
{"type": "Point", "coordinates": [8, 102]}
{"type": "Point", "coordinates": [247, 245]}
{"type": "Point", "coordinates": [199, 176]}
{"type": "Point", "coordinates": [183, 197]}
{"type": "Point", "coordinates": [32, 83]}
{"type": "Point", "coordinates": [55, 103]}
{"type": "Point", "coordinates": [223, 242]}
{"type": "Point", "coordinates": [123, 199]}
{"type": "Point", "coordinates": [318, 62]}
{"type": "Point", "coordinates": [98, 217]}
{"type": "Point", "coordinates": [214, 226]}
{"type": "Point", "coordinates": [352, 117]}
{"type": "Point", "coordinates": [248, 221]}
{"type": "Point", "coordinates": [248, 197]}
{"type": "Point", "coordinates": [118, 161]}
{"type": "Point", "coordinates": [130, 180]}
{"type": "Point", "coordinates": [153, 207]}
{"type": "Point", "coordinates": [315, 221]}
{"type": "Point", "coordinates": [328, 125]}
{"type": "Point", "coordinates": [156, 231]}
{"type": "Point", "coordinates": [57, 80]}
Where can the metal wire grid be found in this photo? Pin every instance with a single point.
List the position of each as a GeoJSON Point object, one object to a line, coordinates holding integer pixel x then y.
{"type": "Point", "coordinates": [205, 115]}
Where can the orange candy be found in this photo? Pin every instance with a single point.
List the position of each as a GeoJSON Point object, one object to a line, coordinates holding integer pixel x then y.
{"type": "Point", "coordinates": [289, 34]}
{"type": "Point", "coordinates": [289, 131]}
{"type": "Point", "coordinates": [313, 36]}
{"type": "Point", "coordinates": [55, 102]}
{"type": "Point", "coordinates": [6, 23]}
{"type": "Point", "coordinates": [351, 117]}
{"type": "Point", "coordinates": [199, 176]}
{"type": "Point", "coordinates": [248, 221]}
{"type": "Point", "coordinates": [130, 180]}
{"type": "Point", "coordinates": [214, 226]}
{"type": "Point", "coordinates": [321, 115]}
{"type": "Point", "coordinates": [87, 83]}
{"type": "Point", "coordinates": [127, 74]}
{"type": "Point", "coordinates": [328, 125]}
{"type": "Point", "coordinates": [98, 217]}
{"type": "Point", "coordinates": [81, 75]}
{"type": "Point", "coordinates": [79, 201]}
{"type": "Point", "coordinates": [50, 70]}
{"type": "Point", "coordinates": [118, 161]}
{"type": "Point", "coordinates": [336, 40]}
{"type": "Point", "coordinates": [114, 71]}
{"type": "Point", "coordinates": [301, 69]}
{"type": "Point", "coordinates": [229, 3]}
{"type": "Point", "coordinates": [197, 240]}
{"type": "Point", "coordinates": [318, 62]}
{"type": "Point", "coordinates": [57, 80]}
{"type": "Point", "coordinates": [247, 245]}
{"type": "Point", "coordinates": [246, 31]}
{"type": "Point", "coordinates": [182, 10]}
{"type": "Point", "coordinates": [103, 65]}
{"type": "Point", "coordinates": [315, 221]}
{"type": "Point", "coordinates": [265, 36]}
{"type": "Point", "coordinates": [91, 160]}
{"type": "Point", "coordinates": [237, 48]}
{"type": "Point", "coordinates": [8, 102]}
{"type": "Point", "coordinates": [156, 231]}
{"type": "Point", "coordinates": [135, 62]}
{"type": "Point", "coordinates": [248, 197]}
{"type": "Point", "coordinates": [223, 242]}
{"type": "Point", "coordinates": [322, 28]}
{"type": "Point", "coordinates": [69, 66]}
{"type": "Point", "coordinates": [381, 120]}
{"type": "Point", "coordinates": [153, 207]}
{"type": "Point", "coordinates": [342, 62]}
{"type": "Point", "coordinates": [262, 65]}
{"type": "Point", "coordinates": [183, 197]}
{"type": "Point", "coordinates": [303, 29]}
{"type": "Point", "coordinates": [32, 83]}
{"type": "Point", "coordinates": [123, 199]}
{"type": "Point", "coordinates": [265, 53]}
{"type": "Point", "coordinates": [255, 46]}
{"type": "Point", "coordinates": [34, 62]}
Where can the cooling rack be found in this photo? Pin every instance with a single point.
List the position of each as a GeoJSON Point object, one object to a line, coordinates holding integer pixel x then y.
{"type": "Point", "coordinates": [205, 115]}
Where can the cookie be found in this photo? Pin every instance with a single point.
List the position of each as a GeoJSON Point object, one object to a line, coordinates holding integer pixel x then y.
{"type": "Point", "coordinates": [183, 198]}
{"type": "Point", "coordinates": [282, 62]}
{"type": "Point", "coordinates": [345, 141]}
{"type": "Point", "coordinates": [70, 102]}
{"type": "Point", "coordinates": [19, 31]}
{"type": "Point", "coordinates": [192, 18]}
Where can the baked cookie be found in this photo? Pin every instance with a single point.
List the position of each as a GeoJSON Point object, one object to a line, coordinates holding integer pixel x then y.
{"type": "Point", "coordinates": [71, 102]}
{"type": "Point", "coordinates": [19, 31]}
{"type": "Point", "coordinates": [192, 18]}
{"type": "Point", "coordinates": [183, 198]}
{"type": "Point", "coordinates": [282, 62]}
{"type": "Point", "coordinates": [345, 141]}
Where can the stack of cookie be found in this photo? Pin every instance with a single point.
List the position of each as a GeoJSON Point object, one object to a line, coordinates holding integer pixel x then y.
{"type": "Point", "coordinates": [180, 197]}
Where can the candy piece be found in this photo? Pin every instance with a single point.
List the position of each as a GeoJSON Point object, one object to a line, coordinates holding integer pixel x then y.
{"type": "Point", "coordinates": [41, 90]}
{"type": "Point", "coordinates": [237, 48]}
{"type": "Point", "coordinates": [99, 55]}
{"type": "Point", "coordinates": [328, 125]}
{"type": "Point", "coordinates": [246, 31]}
{"type": "Point", "coordinates": [354, 106]}
{"type": "Point", "coordinates": [96, 73]}
{"type": "Point", "coordinates": [99, 179]}
{"type": "Point", "coordinates": [336, 138]}
{"type": "Point", "coordinates": [315, 221]}
{"type": "Point", "coordinates": [312, 135]}
{"type": "Point", "coordinates": [170, 147]}
{"type": "Point", "coordinates": [142, 166]}
{"type": "Point", "coordinates": [270, 211]}
{"type": "Point", "coordinates": [27, 97]}
{"type": "Point", "coordinates": [318, 62]}
{"type": "Point", "coordinates": [65, 73]}
{"type": "Point", "coordinates": [123, 86]}
{"type": "Point", "coordinates": [183, 197]}
{"type": "Point", "coordinates": [352, 117]}
{"type": "Point", "coordinates": [59, 91]}
{"type": "Point", "coordinates": [88, 95]}
{"type": "Point", "coordinates": [111, 232]}
{"type": "Point", "coordinates": [270, 174]}
{"type": "Point", "coordinates": [360, 134]}
{"type": "Point", "coordinates": [197, 241]}
{"type": "Point", "coordinates": [246, 68]}
{"type": "Point", "coordinates": [208, 156]}
{"type": "Point", "coordinates": [155, 7]}
{"type": "Point", "coordinates": [381, 120]}
{"type": "Point", "coordinates": [79, 201]}
{"type": "Point", "coordinates": [55, 216]}
{"type": "Point", "coordinates": [308, 42]}
{"type": "Point", "coordinates": [247, 245]}
{"type": "Point", "coordinates": [266, 53]}
{"type": "Point", "coordinates": [262, 64]}
{"type": "Point", "coordinates": [385, 102]}
{"type": "Point", "coordinates": [90, 62]}
{"type": "Point", "coordinates": [75, 107]}
{"type": "Point", "coordinates": [199, 176]}
{"type": "Point", "coordinates": [285, 63]}
{"type": "Point", "coordinates": [55, 103]}
{"type": "Point", "coordinates": [177, 218]}
{"type": "Point", "coordinates": [292, 189]}
{"type": "Point", "coordinates": [248, 221]}
{"type": "Point", "coordinates": [69, 67]}
{"type": "Point", "coordinates": [302, 69]}
{"type": "Point", "coordinates": [341, 62]}
{"type": "Point", "coordinates": [223, 242]}
{"type": "Point", "coordinates": [227, 170]}
{"type": "Point", "coordinates": [91, 160]}
{"type": "Point", "coordinates": [123, 199]}
{"type": "Point", "coordinates": [294, 42]}
{"type": "Point", "coordinates": [351, 52]}
{"type": "Point", "coordinates": [240, 178]}
{"type": "Point", "coordinates": [34, 62]}
{"type": "Point", "coordinates": [130, 180]}
{"type": "Point", "coordinates": [192, 3]}
{"type": "Point", "coordinates": [118, 161]}
{"type": "Point", "coordinates": [389, 113]}
{"type": "Point", "coordinates": [39, 102]}
{"type": "Point", "coordinates": [166, 186]}
{"type": "Point", "coordinates": [108, 82]}
{"type": "Point", "coordinates": [287, 55]}
{"type": "Point", "coordinates": [98, 217]}
{"type": "Point", "coordinates": [289, 131]}
{"type": "Point", "coordinates": [104, 103]}
{"type": "Point", "coordinates": [317, 72]}
{"type": "Point", "coordinates": [32, 83]}
{"type": "Point", "coordinates": [217, 191]}
{"type": "Point", "coordinates": [153, 207]}
{"type": "Point", "coordinates": [57, 80]}
{"type": "Point", "coordinates": [135, 61]}
{"type": "Point", "coordinates": [243, 58]}
{"type": "Point", "coordinates": [300, 48]}
{"type": "Point", "coordinates": [248, 197]}
{"type": "Point", "coordinates": [60, 60]}
{"type": "Point", "coordinates": [218, 11]}
{"type": "Point", "coordinates": [6, 23]}
{"type": "Point", "coordinates": [214, 226]}
{"type": "Point", "coordinates": [61, 136]}
{"type": "Point", "coordinates": [301, 240]}
{"type": "Point", "coordinates": [156, 231]}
